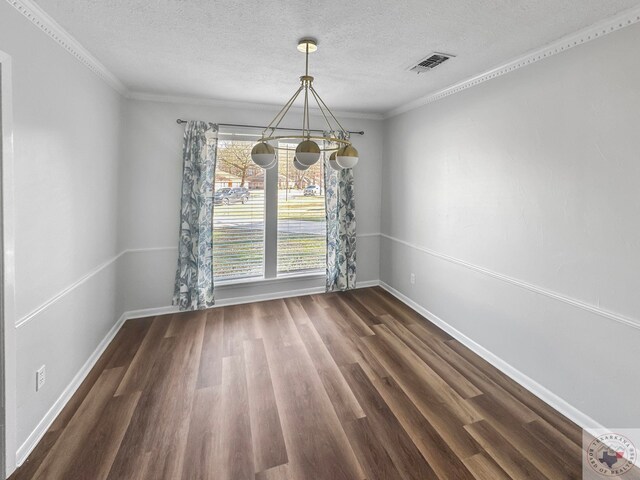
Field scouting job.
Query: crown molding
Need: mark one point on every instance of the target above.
(49, 26)
(212, 102)
(597, 30)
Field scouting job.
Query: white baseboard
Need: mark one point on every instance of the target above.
(268, 296)
(544, 394)
(150, 312)
(531, 385)
(578, 417)
(36, 435)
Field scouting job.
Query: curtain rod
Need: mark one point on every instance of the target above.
(180, 121)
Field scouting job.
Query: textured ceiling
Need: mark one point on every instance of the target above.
(245, 49)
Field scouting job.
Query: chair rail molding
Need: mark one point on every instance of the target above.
(48, 25)
(86, 277)
(628, 321)
(597, 30)
(89, 275)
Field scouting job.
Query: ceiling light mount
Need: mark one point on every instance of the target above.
(307, 45)
(308, 151)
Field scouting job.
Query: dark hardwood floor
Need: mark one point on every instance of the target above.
(338, 386)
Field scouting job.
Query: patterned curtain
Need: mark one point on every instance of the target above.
(194, 275)
(341, 225)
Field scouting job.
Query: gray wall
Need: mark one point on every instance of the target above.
(66, 145)
(525, 183)
(533, 177)
(97, 191)
(151, 181)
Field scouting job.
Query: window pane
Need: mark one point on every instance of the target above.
(238, 212)
(301, 216)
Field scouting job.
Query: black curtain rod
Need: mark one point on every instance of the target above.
(180, 121)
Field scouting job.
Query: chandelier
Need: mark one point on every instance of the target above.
(308, 152)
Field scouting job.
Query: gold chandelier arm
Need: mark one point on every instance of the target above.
(331, 140)
(306, 84)
(281, 114)
(288, 107)
(315, 95)
(328, 109)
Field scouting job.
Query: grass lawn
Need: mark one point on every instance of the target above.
(299, 207)
(238, 236)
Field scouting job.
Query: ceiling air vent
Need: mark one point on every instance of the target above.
(431, 62)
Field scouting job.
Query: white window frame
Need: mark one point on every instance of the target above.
(270, 264)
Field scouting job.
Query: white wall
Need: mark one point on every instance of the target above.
(525, 183)
(66, 142)
(534, 177)
(97, 189)
(150, 197)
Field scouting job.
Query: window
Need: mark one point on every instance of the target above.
(238, 212)
(301, 216)
(247, 197)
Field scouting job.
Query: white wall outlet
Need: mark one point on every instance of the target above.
(40, 378)
(412, 278)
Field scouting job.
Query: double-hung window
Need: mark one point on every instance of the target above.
(266, 223)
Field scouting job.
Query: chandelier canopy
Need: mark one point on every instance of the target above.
(308, 150)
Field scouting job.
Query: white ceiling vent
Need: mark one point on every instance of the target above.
(430, 62)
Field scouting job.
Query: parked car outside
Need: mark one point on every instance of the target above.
(312, 190)
(225, 196)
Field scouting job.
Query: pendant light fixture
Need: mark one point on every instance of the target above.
(300, 166)
(333, 163)
(310, 148)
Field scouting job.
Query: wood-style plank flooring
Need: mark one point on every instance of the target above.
(349, 386)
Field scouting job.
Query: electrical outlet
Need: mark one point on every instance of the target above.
(40, 378)
(412, 278)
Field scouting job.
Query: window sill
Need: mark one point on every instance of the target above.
(269, 281)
